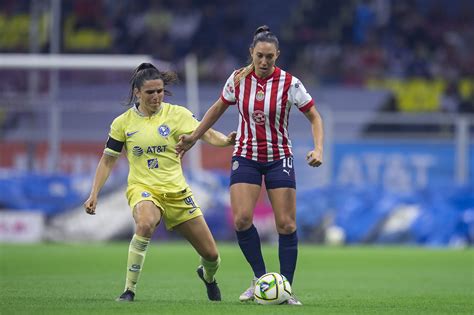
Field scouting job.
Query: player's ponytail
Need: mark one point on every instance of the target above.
(262, 34)
(242, 73)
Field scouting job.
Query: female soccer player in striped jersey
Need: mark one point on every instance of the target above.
(263, 94)
(157, 190)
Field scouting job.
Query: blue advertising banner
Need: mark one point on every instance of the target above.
(393, 165)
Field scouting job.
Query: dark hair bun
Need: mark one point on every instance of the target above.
(145, 65)
(261, 29)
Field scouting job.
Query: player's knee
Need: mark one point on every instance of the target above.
(242, 222)
(211, 255)
(145, 228)
(286, 227)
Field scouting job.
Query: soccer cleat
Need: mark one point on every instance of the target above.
(213, 292)
(293, 300)
(127, 296)
(248, 295)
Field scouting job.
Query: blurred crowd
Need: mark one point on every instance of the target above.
(348, 42)
(396, 39)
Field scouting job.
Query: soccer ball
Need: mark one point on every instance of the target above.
(272, 288)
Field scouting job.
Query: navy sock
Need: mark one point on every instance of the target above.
(249, 243)
(288, 253)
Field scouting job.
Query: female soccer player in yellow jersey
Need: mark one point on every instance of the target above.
(156, 186)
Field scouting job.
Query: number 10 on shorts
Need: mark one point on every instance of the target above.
(288, 162)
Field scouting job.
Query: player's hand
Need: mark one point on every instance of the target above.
(90, 205)
(185, 143)
(315, 158)
(231, 138)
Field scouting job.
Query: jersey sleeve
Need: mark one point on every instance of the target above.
(228, 92)
(116, 138)
(188, 122)
(299, 97)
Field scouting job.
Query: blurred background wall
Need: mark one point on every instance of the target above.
(394, 81)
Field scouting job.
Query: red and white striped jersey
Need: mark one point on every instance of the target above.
(264, 108)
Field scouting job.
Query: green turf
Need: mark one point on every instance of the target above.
(85, 279)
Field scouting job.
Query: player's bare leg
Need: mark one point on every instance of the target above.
(146, 216)
(198, 234)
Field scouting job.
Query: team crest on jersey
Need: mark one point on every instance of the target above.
(260, 96)
(259, 117)
(235, 165)
(164, 130)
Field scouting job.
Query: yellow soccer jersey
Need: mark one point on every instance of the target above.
(150, 145)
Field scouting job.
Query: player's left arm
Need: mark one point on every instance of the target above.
(218, 139)
(315, 156)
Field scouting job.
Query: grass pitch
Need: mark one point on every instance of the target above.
(86, 279)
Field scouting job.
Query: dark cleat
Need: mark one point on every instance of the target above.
(127, 296)
(213, 292)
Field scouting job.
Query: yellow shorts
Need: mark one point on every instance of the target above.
(175, 208)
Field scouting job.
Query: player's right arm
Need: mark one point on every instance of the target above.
(113, 148)
(227, 98)
(112, 151)
(218, 139)
(102, 172)
(212, 115)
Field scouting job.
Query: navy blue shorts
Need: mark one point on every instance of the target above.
(277, 174)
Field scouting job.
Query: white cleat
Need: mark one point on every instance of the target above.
(247, 295)
(293, 301)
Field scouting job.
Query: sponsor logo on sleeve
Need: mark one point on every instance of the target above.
(230, 88)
